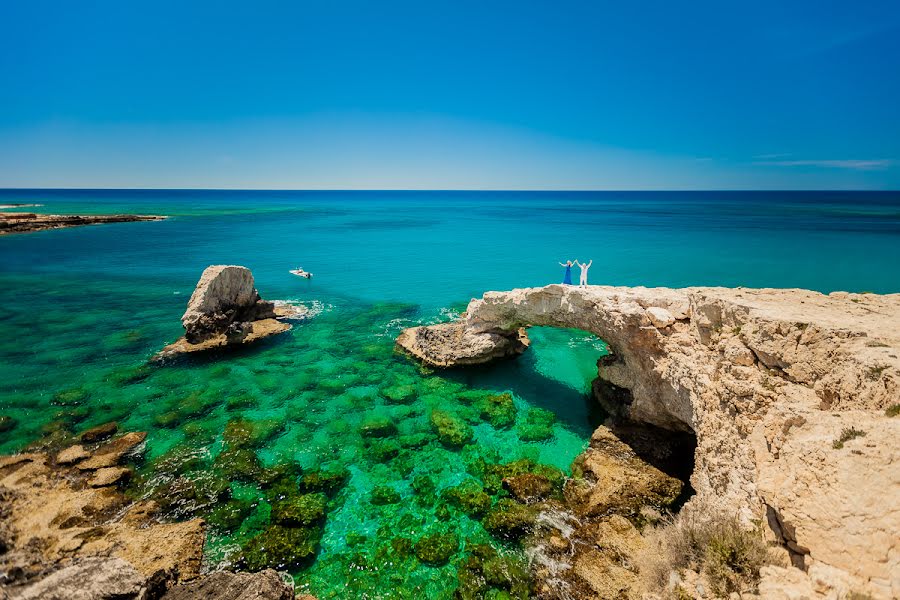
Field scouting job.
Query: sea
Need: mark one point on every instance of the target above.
(324, 452)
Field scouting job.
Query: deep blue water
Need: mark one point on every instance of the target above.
(433, 248)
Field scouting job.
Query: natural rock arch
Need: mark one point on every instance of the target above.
(766, 379)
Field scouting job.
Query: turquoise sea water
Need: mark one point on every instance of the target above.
(251, 439)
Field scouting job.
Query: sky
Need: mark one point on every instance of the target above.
(460, 94)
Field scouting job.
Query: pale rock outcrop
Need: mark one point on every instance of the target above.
(767, 380)
(226, 310)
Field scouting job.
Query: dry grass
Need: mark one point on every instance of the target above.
(718, 547)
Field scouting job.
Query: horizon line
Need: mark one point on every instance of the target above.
(473, 190)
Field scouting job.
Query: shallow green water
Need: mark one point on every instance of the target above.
(306, 400)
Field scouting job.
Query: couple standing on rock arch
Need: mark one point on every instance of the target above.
(567, 278)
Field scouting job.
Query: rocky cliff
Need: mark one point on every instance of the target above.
(788, 392)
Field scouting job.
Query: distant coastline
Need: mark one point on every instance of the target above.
(22, 222)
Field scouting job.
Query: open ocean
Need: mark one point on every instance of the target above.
(84, 308)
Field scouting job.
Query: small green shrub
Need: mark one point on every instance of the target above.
(892, 411)
(847, 434)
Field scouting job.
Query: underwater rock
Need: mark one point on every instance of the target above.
(469, 497)
(328, 481)
(384, 494)
(451, 430)
(100, 432)
(226, 310)
(509, 520)
(305, 509)
(7, 423)
(486, 573)
(377, 427)
(280, 548)
(499, 410)
(538, 425)
(399, 394)
(528, 487)
(436, 548)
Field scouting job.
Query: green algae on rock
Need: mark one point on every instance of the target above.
(280, 547)
(538, 425)
(436, 548)
(451, 430)
(469, 497)
(509, 520)
(499, 410)
(305, 509)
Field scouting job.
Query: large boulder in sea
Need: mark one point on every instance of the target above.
(224, 310)
(225, 297)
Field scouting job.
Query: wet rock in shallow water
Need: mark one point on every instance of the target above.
(494, 474)
(222, 585)
(383, 450)
(509, 520)
(329, 481)
(193, 493)
(7, 423)
(538, 425)
(111, 453)
(282, 548)
(238, 464)
(400, 394)
(528, 487)
(244, 433)
(305, 509)
(72, 455)
(384, 494)
(499, 410)
(100, 432)
(70, 397)
(451, 430)
(110, 476)
(488, 574)
(469, 497)
(228, 517)
(377, 427)
(436, 548)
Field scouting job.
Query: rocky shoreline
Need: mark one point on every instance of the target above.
(790, 395)
(68, 532)
(24, 222)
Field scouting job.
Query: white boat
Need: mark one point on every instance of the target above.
(299, 272)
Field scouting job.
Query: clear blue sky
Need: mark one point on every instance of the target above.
(459, 94)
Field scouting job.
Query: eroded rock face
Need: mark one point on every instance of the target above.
(266, 585)
(225, 295)
(768, 380)
(225, 310)
(454, 344)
